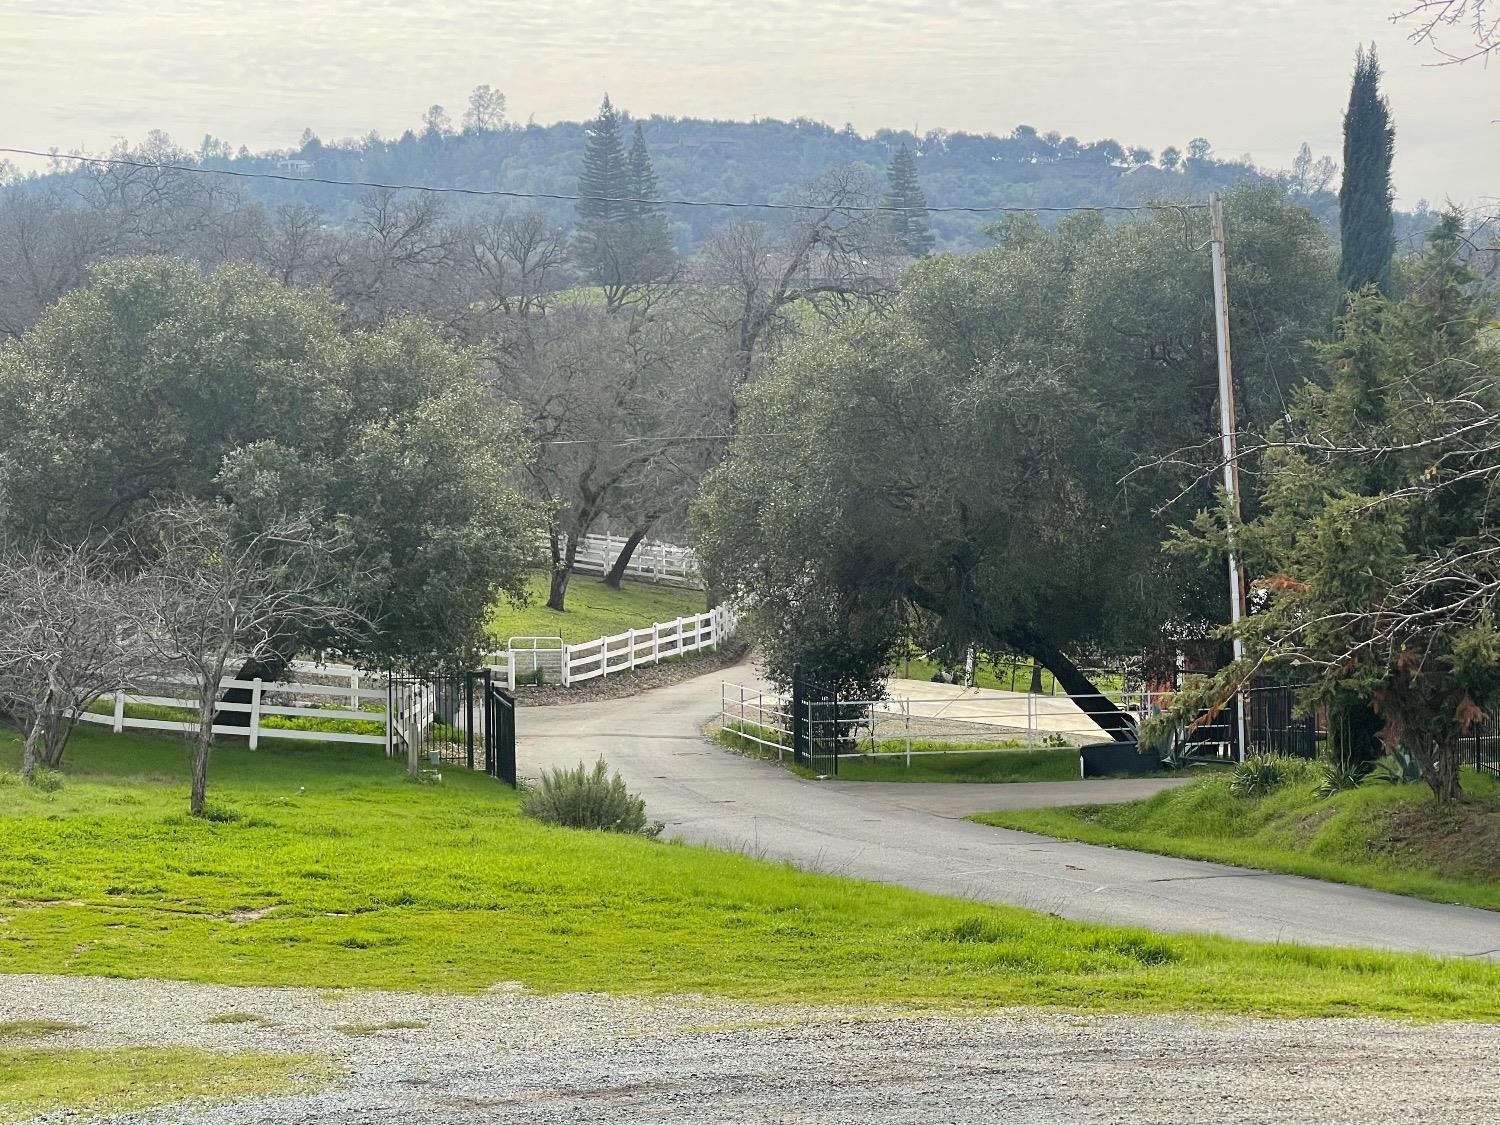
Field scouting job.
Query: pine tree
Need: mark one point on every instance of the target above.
(605, 177)
(654, 239)
(1366, 227)
(909, 225)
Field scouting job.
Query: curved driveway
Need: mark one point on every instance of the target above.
(911, 835)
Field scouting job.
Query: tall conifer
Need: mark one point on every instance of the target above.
(1366, 228)
(605, 177)
(650, 220)
(909, 225)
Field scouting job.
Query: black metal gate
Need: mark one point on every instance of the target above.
(816, 727)
(499, 732)
(456, 719)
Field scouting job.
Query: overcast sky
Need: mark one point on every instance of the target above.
(1253, 78)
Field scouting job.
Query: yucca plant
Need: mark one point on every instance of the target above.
(1257, 776)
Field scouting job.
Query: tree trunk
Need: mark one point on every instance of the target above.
(562, 570)
(1036, 678)
(202, 749)
(272, 670)
(617, 570)
(29, 749)
(1439, 764)
(1090, 700)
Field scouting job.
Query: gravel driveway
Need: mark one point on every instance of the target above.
(511, 1056)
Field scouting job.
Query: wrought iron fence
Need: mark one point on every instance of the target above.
(1485, 754)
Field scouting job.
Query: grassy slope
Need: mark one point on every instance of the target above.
(594, 610)
(35, 1079)
(1393, 838)
(369, 881)
(1004, 766)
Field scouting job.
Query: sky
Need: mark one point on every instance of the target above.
(1255, 79)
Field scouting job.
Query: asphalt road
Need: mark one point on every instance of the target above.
(707, 795)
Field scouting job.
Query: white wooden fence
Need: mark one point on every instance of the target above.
(300, 699)
(609, 656)
(653, 562)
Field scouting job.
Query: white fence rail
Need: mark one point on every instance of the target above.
(340, 700)
(652, 561)
(609, 656)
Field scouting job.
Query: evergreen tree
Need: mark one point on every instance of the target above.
(910, 226)
(605, 177)
(650, 221)
(1366, 226)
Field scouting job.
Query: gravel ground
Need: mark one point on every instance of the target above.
(513, 1056)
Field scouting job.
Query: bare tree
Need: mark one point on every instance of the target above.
(833, 257)
(397, 256)
(61, 647)
(486, 112)
(1431, 19)
(215, 595)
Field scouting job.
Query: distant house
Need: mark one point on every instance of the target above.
(294, 167)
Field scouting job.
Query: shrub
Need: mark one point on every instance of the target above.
(1335, 774)
(1257, 776)
(588, 798)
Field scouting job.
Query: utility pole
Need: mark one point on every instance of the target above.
(1228, 446)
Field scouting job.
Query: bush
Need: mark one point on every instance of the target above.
(1335, 774)
(584, 798)
(1257, 776)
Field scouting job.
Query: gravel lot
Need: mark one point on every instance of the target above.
(513, 1056)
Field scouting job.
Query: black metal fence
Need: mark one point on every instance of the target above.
(816, 725)
(456, 719)
(1485, 754)
(1272, 725)
(499, 732)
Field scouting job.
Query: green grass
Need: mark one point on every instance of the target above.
(1392, 838)
(1008, 677)
(366, 881)
(36, 1080)
(1002, 766)
(35, 1029)
(594, 610)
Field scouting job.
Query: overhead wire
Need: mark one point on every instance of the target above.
(565, 197)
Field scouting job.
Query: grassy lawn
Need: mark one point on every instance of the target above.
(37, 1079)
(1001, 766)
(368, 881)
(1392, 838)
(594, 610)
(1005, 678)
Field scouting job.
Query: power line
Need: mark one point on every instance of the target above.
(498, 193)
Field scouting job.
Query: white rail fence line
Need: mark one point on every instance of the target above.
(622, 652)
(289, 700)
(652, 561)
(884, 726)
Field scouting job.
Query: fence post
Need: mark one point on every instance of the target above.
(603, 658)
(799, 721)
(655, 642)
(119, 710)
(1030, 718)
(255, 694)
(510, 670)
(566, 660)
(354, 690)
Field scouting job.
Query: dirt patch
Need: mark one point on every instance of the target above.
(1461, 840)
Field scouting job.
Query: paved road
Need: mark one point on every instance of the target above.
(708, 795)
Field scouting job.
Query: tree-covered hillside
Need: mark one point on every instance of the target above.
(766, 160)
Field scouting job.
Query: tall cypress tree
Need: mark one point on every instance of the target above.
(910, 225)
(605, 177)
(654, 238)
(1366, 229)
